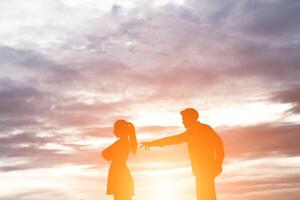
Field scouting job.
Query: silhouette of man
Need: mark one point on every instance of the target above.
(205, 149)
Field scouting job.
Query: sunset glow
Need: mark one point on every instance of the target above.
(69, 69)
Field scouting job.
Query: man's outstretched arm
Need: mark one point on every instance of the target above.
(174, 139)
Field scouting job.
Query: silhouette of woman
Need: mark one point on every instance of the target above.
(120, 181)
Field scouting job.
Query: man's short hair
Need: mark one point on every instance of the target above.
(190, 113)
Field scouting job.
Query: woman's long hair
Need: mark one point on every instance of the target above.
(123, 128)
(132, 137)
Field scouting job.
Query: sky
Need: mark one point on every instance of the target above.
(70, 68)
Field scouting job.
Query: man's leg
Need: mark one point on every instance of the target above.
(205, 188)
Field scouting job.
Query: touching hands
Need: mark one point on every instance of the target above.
(146, 145)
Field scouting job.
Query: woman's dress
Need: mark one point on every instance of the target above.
(120, 181)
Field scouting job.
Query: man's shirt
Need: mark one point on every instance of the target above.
(204, 145)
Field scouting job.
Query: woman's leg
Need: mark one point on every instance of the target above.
(120, 197)
(128, 198)
(116, 197)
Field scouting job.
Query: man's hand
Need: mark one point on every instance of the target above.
(146, 145)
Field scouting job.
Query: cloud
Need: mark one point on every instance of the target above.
(45, 151)
(19, 100)
(276, 19)
(261, 140)
(257, 142)
(37, 194)
(25, 58)
(289, 95)
(261, 188)
(69, 70)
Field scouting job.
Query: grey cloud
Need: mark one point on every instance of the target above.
(230, 54)
(41, 65)
(24, 57)
(30, 146)
(22, 105)
(261, 140)
(8, 124)
(18, 100)
(250, 142)
(25, 138)
(289, 95)
(196, 51)
(272, 19)
(116, 9)
(254, 59)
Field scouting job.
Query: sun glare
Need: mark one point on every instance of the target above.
(168, 184)
(164, 191)
(146, 118)
(246, 114)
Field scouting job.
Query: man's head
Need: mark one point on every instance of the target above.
(189, 117)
